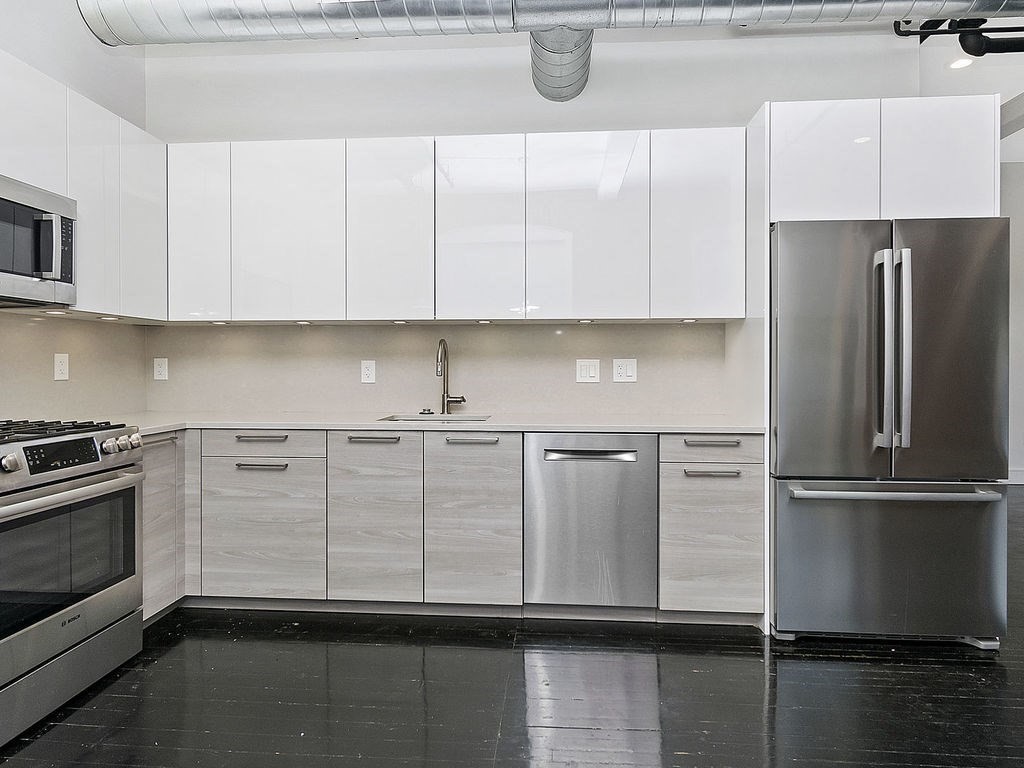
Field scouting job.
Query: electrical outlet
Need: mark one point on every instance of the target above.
(624, 369)
(160, 370)
(588, 371)
(368, 372)
(61, 366)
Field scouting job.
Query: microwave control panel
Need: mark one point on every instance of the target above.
(50, 457)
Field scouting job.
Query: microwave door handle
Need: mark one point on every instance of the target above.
(54, 220)
(906, 345)
(883, 264)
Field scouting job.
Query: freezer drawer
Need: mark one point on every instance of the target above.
(890, 558)
(591, 519)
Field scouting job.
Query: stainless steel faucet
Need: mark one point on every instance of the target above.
(442, 371)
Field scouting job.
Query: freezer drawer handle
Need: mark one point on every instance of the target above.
(588, 454)
(720, 442)
(261, 438)
(471, 440)
(797, 492)
(277, 467)
(712, 472)
(374, 438)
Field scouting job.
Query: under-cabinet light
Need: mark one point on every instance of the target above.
(55, 312)
(483, 322)
(399, 322)
(110, 318)
(688, 320)
(586, 322)
(218, 322)
(303, 322)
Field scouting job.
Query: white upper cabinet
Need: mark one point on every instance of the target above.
(481, 227)
(288, 230)
(143, 241)
(33, 126)
(824, 160)
(698, 222)
(390, 271)
(940, 157)
(199, 231)
(94, 181)
(587, 214)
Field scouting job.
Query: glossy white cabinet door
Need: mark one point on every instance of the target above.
(33, 126)
(390, 229)
(199, 231)
(940, 157)
(698, 223)
(824, 160)
(288, 230)
(94, 181)
(587, 225)
(143, 242)
(481, 227)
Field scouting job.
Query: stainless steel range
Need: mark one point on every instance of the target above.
(70, 561)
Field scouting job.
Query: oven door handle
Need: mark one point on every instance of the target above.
(45, 500)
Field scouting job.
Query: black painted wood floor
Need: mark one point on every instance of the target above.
(214, 688)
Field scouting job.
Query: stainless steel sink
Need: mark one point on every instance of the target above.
(438, 417)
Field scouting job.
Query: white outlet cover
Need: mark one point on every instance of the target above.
(61, 366)
(624, 369)
(160, 369)
(588, 371)
(368, 372)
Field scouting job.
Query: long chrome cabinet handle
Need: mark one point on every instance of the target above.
(277, 467)
(583, 454)
(261, 438)
(712, 472)
(471, 440)
(903, 260)
(797, 492)
(884, 259)
(719, 442)
(161, 441)
(374, 438)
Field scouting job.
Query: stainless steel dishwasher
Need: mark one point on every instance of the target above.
(591, 519)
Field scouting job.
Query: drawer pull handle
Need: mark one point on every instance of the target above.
(161, 441)
(261, 438)
(719, 442)
(712, 472)
(471, 440)
(374, 438)
(276, 467)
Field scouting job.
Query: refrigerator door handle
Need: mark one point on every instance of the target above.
(902, 260)
(799, 492)
(883, 262)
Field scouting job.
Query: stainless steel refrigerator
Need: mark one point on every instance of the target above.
(889, 407)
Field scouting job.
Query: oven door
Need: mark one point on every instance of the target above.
(70, 555)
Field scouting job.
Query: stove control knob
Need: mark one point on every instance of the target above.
(109, 446)
(123, 443)
(135, 440)
(10, 463)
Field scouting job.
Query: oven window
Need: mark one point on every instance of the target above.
(55, 559)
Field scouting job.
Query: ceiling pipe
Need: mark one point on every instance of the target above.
(562, 30)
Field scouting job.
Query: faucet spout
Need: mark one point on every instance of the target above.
(442, 371)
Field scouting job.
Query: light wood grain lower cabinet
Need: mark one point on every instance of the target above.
(265, 527)
(162, 543)
(375, 516)
(711, 539)
(473, 517)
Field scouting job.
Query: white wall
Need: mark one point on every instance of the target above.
(1013, 206)
(431, 86)
(51, 36)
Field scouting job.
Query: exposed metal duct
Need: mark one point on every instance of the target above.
(560, 46)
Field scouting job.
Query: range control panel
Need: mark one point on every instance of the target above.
(50, 457)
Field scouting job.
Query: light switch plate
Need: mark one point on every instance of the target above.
(160, 370)
(588, 371)
(61, 366)
(368, 372)
(624, 369)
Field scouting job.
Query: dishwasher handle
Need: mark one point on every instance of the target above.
(588, 454)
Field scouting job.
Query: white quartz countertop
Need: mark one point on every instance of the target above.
(155, 422)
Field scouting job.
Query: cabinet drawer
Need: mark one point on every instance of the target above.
(265, 527)
(711, 537)
(375, 516)
(265, 442)
(736, 448)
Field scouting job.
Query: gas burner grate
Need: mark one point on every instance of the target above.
(16, 430)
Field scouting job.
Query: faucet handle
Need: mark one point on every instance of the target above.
(458, 399)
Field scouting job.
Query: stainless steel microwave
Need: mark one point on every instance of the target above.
(37, 246)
